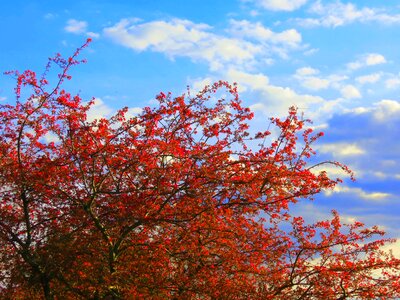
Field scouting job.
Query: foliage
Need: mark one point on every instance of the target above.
(175, 202)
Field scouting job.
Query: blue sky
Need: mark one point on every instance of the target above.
(338, 61)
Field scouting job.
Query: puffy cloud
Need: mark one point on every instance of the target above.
(75, 26)
(392, 83)
(257, 31)
(339, 14)
(386, 109)
(247, 80)
(183, 38)
(381, 111)
(304, 75)
(358, 192)
(374, 59)
(92, 34)
(370, 78)
(248, 43)
(350, 92)
(367, 60)
(308, 78)
(79, 27)
(273, 99)
(341, 149)
(279, 5)
(98, 110)
(315, 83)
(306, 71)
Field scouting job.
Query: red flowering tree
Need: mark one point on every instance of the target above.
(178, 202)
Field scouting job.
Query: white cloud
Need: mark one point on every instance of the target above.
(75, 26)
(386, 109)
(280, 5)
(246, 29)
(394, 247)
(315, 83)
(371, 196)
(381, 111)
(332, 171)
(98, 110)
(341, 149)
(50, 137)
(374, 59)
(370, 78)
(304, 75)
(392, 83)
(92, 34)
(370, 59)
(350, 92)
(246, 80)
(274, 100)
(198, 84)
(247, 45)
(306, 71)
(336, 14)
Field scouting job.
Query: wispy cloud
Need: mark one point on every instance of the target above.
(381, 111)
(75, 26)
(273, 99)
(392, 83)
(370, 78)
(341, 149)
(248, 30)
(370, 59)
(337, 14)
(311, 79)
(245, 45)
(278, 5)
(79, 27)
(360, 193)
(350, 92)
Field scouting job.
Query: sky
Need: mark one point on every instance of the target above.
(337, 61)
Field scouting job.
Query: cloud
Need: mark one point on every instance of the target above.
(386, 109)
(98, 110)
(350, 92)
(79, 27)
(75, 26)
(315, 83)
(304, 75)
(370, 78)
(279, 5)
(370, 59)
(273, 99)
(306, 71)
(392, 83)
(341, 149)
(358, 192)
(93, 34)
(247, 45)
(246, 29)
(50, 16)
(381, 111)
(339, 14)
(367, 139)
(250, 81)
(308, 78)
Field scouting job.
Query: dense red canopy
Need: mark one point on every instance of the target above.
(178, 202)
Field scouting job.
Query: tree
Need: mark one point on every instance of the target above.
(178, 202)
